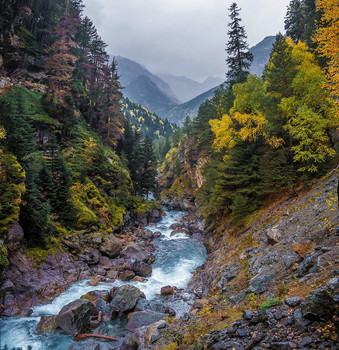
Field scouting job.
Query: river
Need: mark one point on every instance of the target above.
(176, 257)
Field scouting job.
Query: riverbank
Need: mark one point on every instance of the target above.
(176, 256)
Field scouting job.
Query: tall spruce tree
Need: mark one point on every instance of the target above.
(239, 58)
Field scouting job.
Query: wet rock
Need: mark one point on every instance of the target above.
(127, 275)
(91, 345)
(153, 305)
(167, 290)
(106, 311)
(318, 305)
(143, 318)
(125, 297)
(139, 268)
(112, 274)
(260, 283)
(47, 325)
(112, 246)
(138, 279)
(75, 317)
(295, 301)
(134, 252)
(96, 295)
(153, 333)
(94, 281)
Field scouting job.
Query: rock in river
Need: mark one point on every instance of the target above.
(75, 316)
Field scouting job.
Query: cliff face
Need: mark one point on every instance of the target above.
(180, 177)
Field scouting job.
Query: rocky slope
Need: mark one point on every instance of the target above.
(289, 250)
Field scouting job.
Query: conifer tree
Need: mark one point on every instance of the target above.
(239, 58)
(149, 171)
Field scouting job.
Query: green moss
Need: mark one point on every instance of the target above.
(270, 303)
(3, 257)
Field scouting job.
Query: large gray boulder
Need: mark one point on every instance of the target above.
(125, 297)
(260, 283)
(111, 246)
(75, 317)
(138, 267)
(133, 251)
(318, 305)
(143, 318)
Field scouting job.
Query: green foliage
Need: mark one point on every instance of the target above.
(270, 303)
(3, 257)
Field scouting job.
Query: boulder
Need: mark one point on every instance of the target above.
(295, 301)
(274, 235)
(47, 325)
(132, 342)
(152, 333)
(153, 305)
(138, 267)
(260, 283)
(105, 309)
(112, 274)
(318, 305)
(305, 265)
(127, 275)
(167, 290)
(125, 297)
(143, 318)
(111, 246)
(133, 251)
(94, 281)
(96, 295)
(75, 317)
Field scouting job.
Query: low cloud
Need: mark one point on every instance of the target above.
(182, 37)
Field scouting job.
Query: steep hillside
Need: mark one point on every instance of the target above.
(274, 283)
(177, 114)
(261, 54)
(144, 91)
(148, 123)
(130, 70)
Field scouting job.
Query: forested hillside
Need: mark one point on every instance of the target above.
(61, 120)
(259, 137)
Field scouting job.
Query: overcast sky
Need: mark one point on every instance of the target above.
(182, 37)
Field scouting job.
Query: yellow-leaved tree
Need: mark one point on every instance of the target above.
(309, 110)
(327, 37)
(246, 121)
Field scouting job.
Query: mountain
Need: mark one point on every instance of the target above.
(186, 88)
(148, 123)
(177, 114)
(261, 53)
(144, 91)
(130, 70)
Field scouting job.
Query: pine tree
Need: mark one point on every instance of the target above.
(239, 58)
(149, 169)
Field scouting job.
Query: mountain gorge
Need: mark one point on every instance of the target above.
(120, 230)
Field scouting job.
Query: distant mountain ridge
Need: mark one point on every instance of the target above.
(161, 95)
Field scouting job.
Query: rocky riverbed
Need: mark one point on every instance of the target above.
(112, 299)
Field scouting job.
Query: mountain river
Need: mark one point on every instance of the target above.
(176, 258)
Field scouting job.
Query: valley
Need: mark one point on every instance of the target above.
(157, 211)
